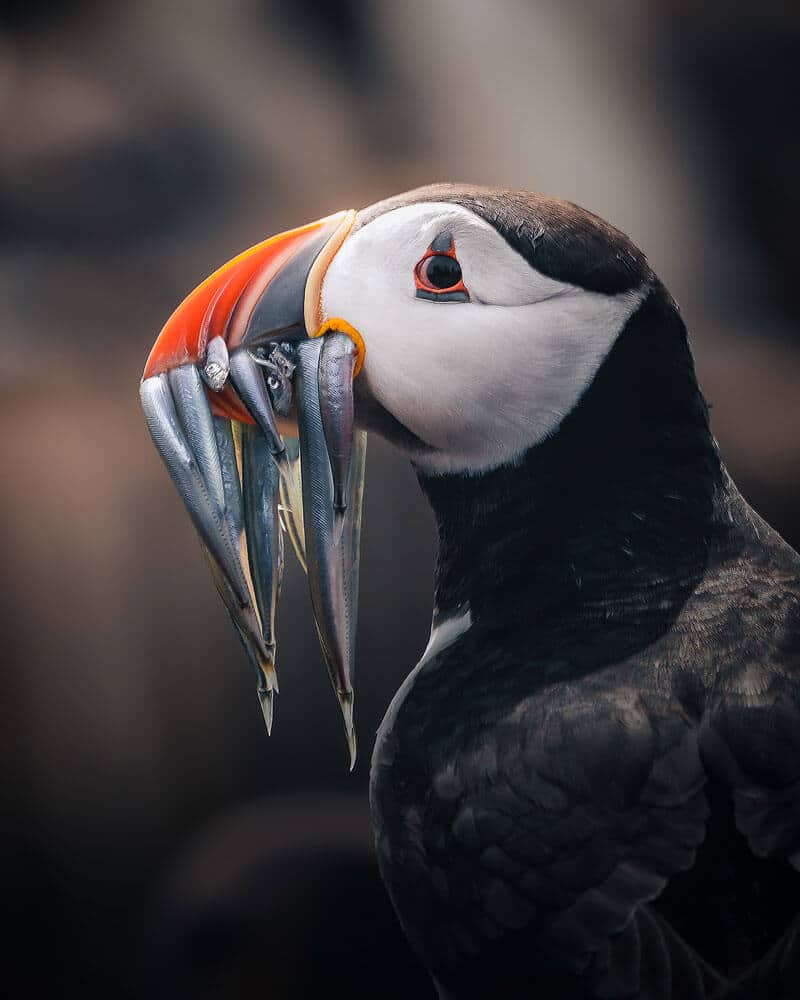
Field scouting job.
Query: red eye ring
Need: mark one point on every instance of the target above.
(437, 276)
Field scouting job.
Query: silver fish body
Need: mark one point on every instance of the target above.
(335, 376)
(261, 489)
(332, 568)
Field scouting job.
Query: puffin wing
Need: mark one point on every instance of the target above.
(581, 805)
(750, 734)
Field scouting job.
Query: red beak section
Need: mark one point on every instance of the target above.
(265, 292)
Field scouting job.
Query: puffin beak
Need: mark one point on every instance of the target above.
(248, 397)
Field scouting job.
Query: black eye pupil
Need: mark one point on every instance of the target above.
(442, 271)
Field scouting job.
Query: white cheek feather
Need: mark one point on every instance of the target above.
(483, 381)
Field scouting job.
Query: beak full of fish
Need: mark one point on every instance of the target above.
(245, 487)
(214, 405)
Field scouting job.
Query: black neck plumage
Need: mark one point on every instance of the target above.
(610, 518)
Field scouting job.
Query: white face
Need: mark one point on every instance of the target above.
(479, 381)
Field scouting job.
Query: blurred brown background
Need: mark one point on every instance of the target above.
(154, 841)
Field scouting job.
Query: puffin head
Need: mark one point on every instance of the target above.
(463, 324)
(485, 314)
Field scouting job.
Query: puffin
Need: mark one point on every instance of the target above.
(597, 758)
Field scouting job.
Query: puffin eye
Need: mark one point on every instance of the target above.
(438, 275)
(440, 271)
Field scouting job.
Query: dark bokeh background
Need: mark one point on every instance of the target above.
(154, 841)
